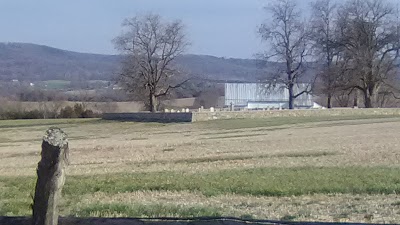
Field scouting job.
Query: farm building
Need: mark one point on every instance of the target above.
(263, 96)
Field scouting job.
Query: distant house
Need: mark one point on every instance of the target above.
(116, 87)
(265, 96)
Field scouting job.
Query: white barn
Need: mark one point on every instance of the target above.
(263, 95)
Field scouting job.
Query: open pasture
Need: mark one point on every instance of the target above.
(343, 168)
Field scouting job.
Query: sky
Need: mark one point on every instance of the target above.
(223, 28)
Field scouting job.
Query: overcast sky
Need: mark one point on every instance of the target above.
(225, 28)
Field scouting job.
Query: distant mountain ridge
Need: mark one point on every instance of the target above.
(37, 62)
(31, 62)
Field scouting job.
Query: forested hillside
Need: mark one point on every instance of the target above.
(32, 62)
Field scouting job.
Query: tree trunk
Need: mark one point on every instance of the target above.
(329, 103)
(291, 97)
(51, 177)
(367, 100)
(355, 102)
(153, 102)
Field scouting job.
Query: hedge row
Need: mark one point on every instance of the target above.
(78, 111)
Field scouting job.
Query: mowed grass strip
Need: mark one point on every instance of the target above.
(16, 192)
(256, 182)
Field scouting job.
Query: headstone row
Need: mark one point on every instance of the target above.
(177, 111)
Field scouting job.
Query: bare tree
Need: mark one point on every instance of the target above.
(342, 97)
(150, 46)
(371, 37)
(287, 40)
(325, 48)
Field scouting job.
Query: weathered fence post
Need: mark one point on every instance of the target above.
(51, 177)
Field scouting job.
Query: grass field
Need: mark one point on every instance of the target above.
(309, 169)
(57, 84)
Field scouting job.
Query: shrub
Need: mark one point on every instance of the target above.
(34, 114)
(68, 112)
(15, 115)
(88, 114)
(79, 110)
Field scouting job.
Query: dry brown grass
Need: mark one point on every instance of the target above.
(120, 147)
(112, 147)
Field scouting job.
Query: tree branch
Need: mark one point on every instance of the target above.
(163, 93)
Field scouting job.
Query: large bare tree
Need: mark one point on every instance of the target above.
(149, 47)
(370, 35)
(327, 53)
(288, 41)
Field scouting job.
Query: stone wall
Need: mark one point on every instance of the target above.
(218, 115)
(150, 117)
(206, 116)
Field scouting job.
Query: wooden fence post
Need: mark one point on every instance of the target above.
(51, 177)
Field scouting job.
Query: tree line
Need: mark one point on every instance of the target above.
(353, 46)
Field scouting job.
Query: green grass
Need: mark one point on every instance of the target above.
(16, 196)
(280, 121)
(143, 211)
(15, 192)
(57, 84)
(257, 182)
